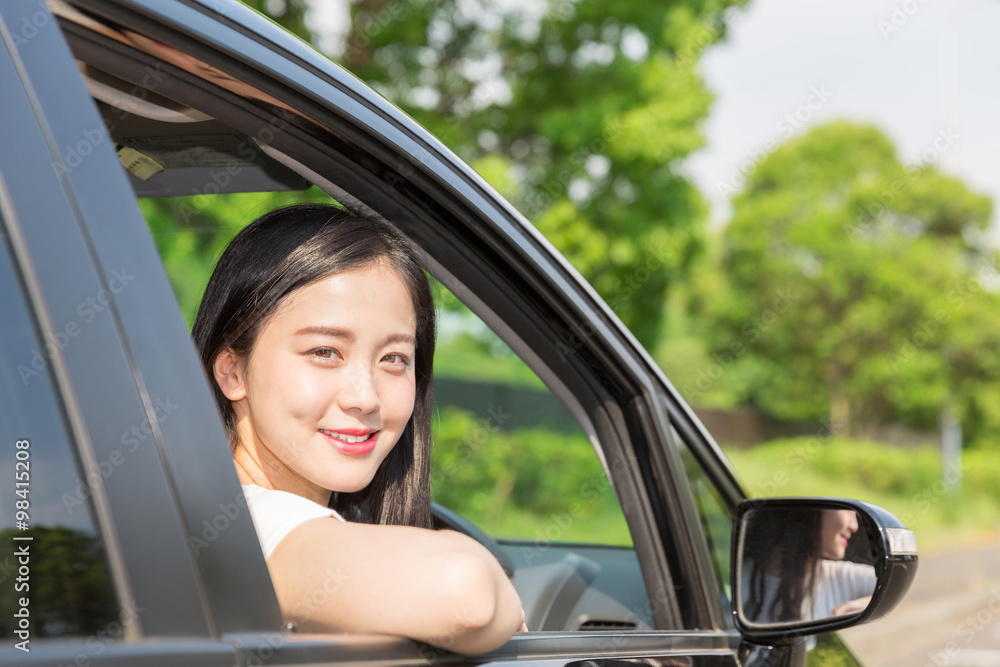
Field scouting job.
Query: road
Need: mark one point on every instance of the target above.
(949, 618)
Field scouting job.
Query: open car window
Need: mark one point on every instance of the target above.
(207, 153)
(508, 455)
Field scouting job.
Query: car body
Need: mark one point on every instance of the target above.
(104, 385)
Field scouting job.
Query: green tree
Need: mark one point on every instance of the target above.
(69, 589)
(579, 116)
(849, 283)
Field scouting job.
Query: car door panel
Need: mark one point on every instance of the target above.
(72, 296)
(180, 409)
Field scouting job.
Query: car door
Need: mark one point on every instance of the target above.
(92, 391)
(298, 117)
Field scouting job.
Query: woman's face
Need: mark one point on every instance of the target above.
(836, 528)
(329, 385)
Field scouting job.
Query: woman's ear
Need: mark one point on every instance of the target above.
(228, 373)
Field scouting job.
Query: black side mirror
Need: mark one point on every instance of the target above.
(802, 566)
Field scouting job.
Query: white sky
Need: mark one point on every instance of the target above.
(879, 61)
(778, 50)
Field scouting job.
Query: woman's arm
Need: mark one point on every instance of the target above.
(440, 587)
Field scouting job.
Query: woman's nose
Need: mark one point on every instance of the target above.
(358, 392)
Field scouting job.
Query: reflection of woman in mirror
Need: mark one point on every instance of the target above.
(797, 571)
(842, 587)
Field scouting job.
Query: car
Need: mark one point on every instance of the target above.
(126, 534)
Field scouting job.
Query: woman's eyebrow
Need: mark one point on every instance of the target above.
(348, 335)
(333, 332)
(401, 338)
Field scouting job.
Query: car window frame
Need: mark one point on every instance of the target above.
(620, 420)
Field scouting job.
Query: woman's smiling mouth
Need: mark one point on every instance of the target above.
(354, 442)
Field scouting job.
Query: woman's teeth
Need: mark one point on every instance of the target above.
(347, 438)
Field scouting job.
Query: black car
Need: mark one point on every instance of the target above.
(126, 539)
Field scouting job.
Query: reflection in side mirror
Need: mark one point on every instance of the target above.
(804, 564)
(807, 565)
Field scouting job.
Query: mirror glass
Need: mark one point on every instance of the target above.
(803, 564)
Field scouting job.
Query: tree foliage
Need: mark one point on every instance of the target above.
(858, 287)
(579, 116)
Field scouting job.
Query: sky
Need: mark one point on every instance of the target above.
(873, 61)
(789, 65)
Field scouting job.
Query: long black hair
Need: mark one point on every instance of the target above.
(285, 250)
(791, 558)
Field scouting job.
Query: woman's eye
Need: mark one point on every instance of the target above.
(397, 359)
(323, 353)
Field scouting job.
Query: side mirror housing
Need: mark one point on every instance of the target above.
(801, 566)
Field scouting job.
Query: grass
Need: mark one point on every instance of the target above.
(606, 527)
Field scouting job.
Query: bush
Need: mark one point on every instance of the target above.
(535, 475)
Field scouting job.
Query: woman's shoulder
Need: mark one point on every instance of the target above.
(260, 499)
(275, 513)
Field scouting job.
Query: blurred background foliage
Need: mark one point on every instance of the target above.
(847, 286)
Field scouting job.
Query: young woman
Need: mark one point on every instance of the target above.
(800, 572)
(318, 329)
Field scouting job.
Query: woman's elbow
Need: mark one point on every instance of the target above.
(483, 608)
(469, 590)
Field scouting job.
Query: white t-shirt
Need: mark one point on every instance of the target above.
(276, 513)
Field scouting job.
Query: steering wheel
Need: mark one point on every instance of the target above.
(446, 518)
